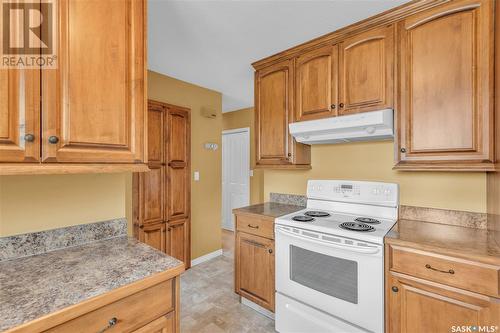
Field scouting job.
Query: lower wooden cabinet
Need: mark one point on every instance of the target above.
(254, 268)
(165, 324)
(146, 306)
(154, 235)
(419, 306)
(177, 244)
(433, 292)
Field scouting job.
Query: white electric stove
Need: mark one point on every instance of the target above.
(329, 258)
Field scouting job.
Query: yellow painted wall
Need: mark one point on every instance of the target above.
(374, 161)
(35, 203)
(206, 193)
(239, 119)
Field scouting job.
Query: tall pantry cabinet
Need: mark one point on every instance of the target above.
(161, 197)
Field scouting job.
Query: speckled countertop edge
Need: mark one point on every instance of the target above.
(35, 286)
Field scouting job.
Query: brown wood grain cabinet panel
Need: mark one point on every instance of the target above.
(366, 71)
(178, 241)
(178, 163)
(131, 312)
(255, 269)
(446, 71)
(155, 235)
(19, 118)
(94, 101)
(274, 94)
(162, 196)
(419, 306)
(316, 78)
(164, 324)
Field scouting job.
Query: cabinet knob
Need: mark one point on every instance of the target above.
(112, 322)
(341, 105)
(289, 154)
(169, 229)
(332, 106)
(53, 139)
(403, 150)
(270, 250)
(395, 289)
(29, 137)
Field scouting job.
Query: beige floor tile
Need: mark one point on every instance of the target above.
(209, 304)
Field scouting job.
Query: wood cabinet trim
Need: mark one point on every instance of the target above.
(388, 17)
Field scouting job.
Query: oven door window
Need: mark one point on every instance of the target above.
(329, 275)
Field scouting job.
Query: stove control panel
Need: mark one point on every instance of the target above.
(376, 193)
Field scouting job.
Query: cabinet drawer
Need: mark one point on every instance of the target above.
(464, 274)
(255, 226)
(131, 312)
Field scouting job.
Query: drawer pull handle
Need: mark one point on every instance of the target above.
(450, 271)
(112, 322)
(253, 226)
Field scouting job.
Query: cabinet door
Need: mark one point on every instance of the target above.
(164, 324)
(273, 110)
(19, 115)
(255, 269)
(366, 71)
(153, 182)
(316, 83)
(154, 235)
(178, 241)
(178, 155)
(446, 84)
(93, 106)
(419, 307)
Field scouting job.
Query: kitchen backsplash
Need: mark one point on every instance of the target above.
(12, 247)
(288, 199)
(433, 215)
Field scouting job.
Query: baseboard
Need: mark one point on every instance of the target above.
(206, 257)
(257, 308)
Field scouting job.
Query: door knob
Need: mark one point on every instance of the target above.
(29, 137)
(53, 139)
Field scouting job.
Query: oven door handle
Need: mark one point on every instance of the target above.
(369, 250)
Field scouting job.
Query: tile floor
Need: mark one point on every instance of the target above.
(208, 301)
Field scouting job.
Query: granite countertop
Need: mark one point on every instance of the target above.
(268, 209)
(468, 243)
(38, 285)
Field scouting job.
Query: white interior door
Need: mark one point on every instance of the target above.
(235, 173)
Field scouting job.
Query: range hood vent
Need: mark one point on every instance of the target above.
(366, 126)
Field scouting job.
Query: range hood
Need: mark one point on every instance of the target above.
(366, 126)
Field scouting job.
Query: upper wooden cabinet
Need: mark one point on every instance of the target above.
(94, 102)
(93, 107)
(19, 116)
(446, 86)
(316, 83)
(273, 113)
(366, 71)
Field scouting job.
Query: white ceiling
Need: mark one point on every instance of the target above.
(213, 43)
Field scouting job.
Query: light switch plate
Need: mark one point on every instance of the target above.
(196, 176)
